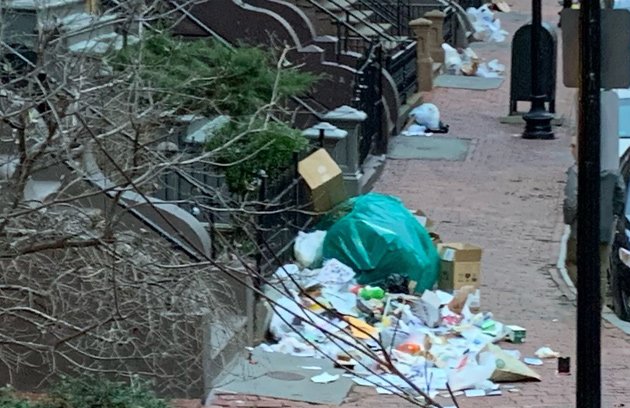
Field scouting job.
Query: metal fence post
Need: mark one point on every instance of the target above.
(588, 387)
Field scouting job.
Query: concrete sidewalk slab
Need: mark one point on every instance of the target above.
(434, 147)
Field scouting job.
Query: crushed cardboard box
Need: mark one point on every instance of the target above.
(510, 369)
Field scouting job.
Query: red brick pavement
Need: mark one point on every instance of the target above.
(506, 196)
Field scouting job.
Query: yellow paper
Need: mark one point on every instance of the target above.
(360, 329)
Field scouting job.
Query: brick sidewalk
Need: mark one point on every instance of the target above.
(507, 197)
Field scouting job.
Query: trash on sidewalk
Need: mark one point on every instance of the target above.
(309, 247)
(508, 368)
(460, 266)
(533, 361)
(516, 334)
(380, 237)
(546, 352)
(487, 27)
(501, 6)
(564, 365)
(324, 378)
(372, 308)
(426, 121)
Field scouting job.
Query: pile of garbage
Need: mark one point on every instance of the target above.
(425, 121)
(486, 26)
(362, 294)
(467, 62)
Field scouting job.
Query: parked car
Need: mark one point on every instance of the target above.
(619, 274)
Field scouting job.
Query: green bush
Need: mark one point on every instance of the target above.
(205, 77)
(89, 392)
(269, 148)
(9, 400)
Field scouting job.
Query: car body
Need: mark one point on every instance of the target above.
(619, 273)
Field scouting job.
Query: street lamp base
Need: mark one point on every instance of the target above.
(538, 125)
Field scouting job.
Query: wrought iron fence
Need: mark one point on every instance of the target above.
(395, 12)
(368, 98)
(284, 210)
(281, 208)
(404, 70)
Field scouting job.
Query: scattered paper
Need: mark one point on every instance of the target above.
(445, 298)
(475, 393)
(362, 382)
(428, 308)
(324, 378)
(533, 361)
(360, 329)
(314, 368)
(546, 352)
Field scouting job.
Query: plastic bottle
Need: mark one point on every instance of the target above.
(372, 292)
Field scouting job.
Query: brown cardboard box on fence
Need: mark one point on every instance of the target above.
(460, 266)
(325, 180)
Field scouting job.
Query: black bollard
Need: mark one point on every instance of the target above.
(537, 120)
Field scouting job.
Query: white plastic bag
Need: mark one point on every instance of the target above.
(452, 60)
(427, 115)
(472, 373)
(309, 247)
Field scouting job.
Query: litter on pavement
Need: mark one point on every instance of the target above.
(487, 27)
(466, 62)
(364, 297)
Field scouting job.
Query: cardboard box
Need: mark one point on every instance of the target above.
(325, 180)
(516, 334)
(460, 266)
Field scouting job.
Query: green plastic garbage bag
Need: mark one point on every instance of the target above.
(379, 237)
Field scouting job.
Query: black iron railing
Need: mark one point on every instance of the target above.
(281, 208)
(395, 12)
(284, 209)
(368, 98)
(404, 70)
(350, 38)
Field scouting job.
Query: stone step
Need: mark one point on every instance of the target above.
(355, 16)
(338, 5)
(373, 29)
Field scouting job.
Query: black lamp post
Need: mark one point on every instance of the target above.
(537, 120)
(588, 385)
